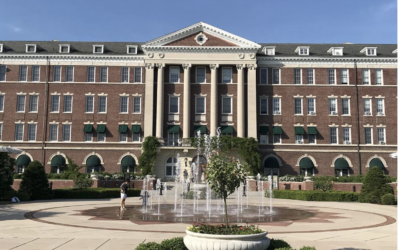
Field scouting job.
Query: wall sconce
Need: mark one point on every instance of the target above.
(185, 162)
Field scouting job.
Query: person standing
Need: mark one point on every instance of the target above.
(144, 198)
(124, 193)
(185, 174)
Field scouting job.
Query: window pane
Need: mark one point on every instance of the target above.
(263, 106)
(365, 74)
(344, 75)
(332, 106)
(123, 137)
(23, 71)
(136, 137)
(311, 139)
(125, 74)
(1, 131)
(311, 106)
(331, 76)
(380, 107)
(69, 74)
(226, 75)
(55, 103)
(310, 76)
(381, 135)
(297, 106)
(101, 137)
(88, 137)
(103, 74)
(174, 74)
(19, 132)
(1, 103)
(226, 105)
(263, 76)
(200, 74)
(53, 132)
(89, 104)
(378, 75)
(276, 105)
(346, 135)
(173, 105)
(33, 103)
(21, 103)
(57, 74)
(35, 73)
(31, 132)
(136, 105)
(68, 103)
(66, 136)
(297, 76)
(333, 135)
(173, 139)
(3, 70)
(124, 104)
(345, 106)
(200, 105)
(275, 76)
(102, 104)
(90, 77)
(367, 106)
(138, 74)
(277, 138)
(368, 135)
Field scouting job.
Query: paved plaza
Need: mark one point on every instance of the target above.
(63, 224)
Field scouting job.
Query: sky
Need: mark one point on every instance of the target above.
(262, 21)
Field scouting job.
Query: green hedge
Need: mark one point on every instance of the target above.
(168, 244)
(92, 193)
(315, 195)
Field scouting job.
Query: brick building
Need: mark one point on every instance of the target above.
(318, 108)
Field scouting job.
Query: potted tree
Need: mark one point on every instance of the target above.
(224, 176)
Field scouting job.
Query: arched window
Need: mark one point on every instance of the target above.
(93, 164)
(341, 167)
(271, 166)
(376, 162)
(58, 164)
(128, 164)
(306, 166)
(170, 166)
(22, 163)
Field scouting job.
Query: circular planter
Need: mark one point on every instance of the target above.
(197, 241)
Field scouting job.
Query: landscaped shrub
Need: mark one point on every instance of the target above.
(173, 244)
(92, 193)
(6, 173)
(34, 182)
(22, 196)
(388, 199)
(374, 187)
(149, 246)
(82, 182)
(316, 195)
(292, 178)
(276, 244)
(8, 195)
(307, 248)
(17, 176)
(284, 248)
(323, 185)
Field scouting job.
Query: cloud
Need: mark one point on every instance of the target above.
(16, 29)
(387, 7)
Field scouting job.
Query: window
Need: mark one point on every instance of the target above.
(381, 135)
(264, 139)
(125, 74)
(337, 51)
(226, 75)
(98, 49)
(135, 136)
(371, 51)
(131, 49)
(33, 103)
(303, 51)
(345, 106)
(276, 105)
(173, 139)
(200, 74)
(1, 48)
(200, 105)
(332, 106)
(276, 76)
(311, 106)
(88, 137)
(19, 132)
(226, 105)
(53, 132)
(1, 131)
(174, 75)
(277, 138)
(55, 104)
(64, 48)
(310, 76)
(89, 104)
(68, 104)
(341, 172)
(3, 70)
(299, 139)
(368, 135)
(23, 73)
(174, 105)
(346, 136)
(137, 104)
(367, 106)
(380, 106)
(270, 51)
(69, 74)
(91, 74)
(103, 74)
(123, 137)
(344, 75)
(20, 103)
(102, 104)
(334, 135)
(101, 137)
(66, 132)
(138, 75)
(35, 73)
(30, 48)
(312, 139)
(263, 106)
(297, 76)
(56, 73)
(124, 104)
(264, 76)
(31, 132)
(1, 103)
(298, 106)
(331, 76)
(170, 167)
(365, 77)
(378, 77)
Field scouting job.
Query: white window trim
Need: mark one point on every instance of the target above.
(332, 51)
(315, 106)
(98, 104)
(37, 104)
(222, 105)
(334, 74)
(369, 76)
(106, 71)
(5, 73)
(26, 48)
(222, 75)
(279, 72)
(301, 76)
(372, 136)
(261, 69)
(35, 131)
(341, 77)
(23, 130)
(308, 139)
(73, 73)
(27, 72)
(297, 141)
(1, 131)
(330, 113)
(299, 48)
(383, 83)
(273, 139)
(365, 50)
(280, 106)
(179, 74)
(370, 106)
(105, 137)
(205, 75)
(349, 107)
(384, 134)
(134, 74)
(54, 72)
(24, 103)
(97, 45)
(122, 74)
(383, 106)
(4, 102)
(263, 97)
(313, 70)
(64, 45)
(140, 136)
(267, 140)
(70, 130)
(127, 104)
(205, 105)
(84, 134)
(337, 135)
(133, 104)
(94, 72)
(1, 48)
(169, 105)
(131, 46)
(91, 112)
(119, 137)
(72, 104)
(32, 73)
(349, 135)
(51, 103)
(266, 48)
(301, 104)
(56, 132)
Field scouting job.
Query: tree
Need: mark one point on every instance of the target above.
(6, 173)
(72, 170)
(249, 152)
(224, 175)
(34, 182)
(374, 186)
(148, 156)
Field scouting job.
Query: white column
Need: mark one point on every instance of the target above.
(214, 100)
(252, 102)
(160, 101)
(186, 101)
(240, 102)
(148, 100)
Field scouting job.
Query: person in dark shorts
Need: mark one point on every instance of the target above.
(124, 193)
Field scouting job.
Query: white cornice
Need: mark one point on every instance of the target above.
(329, 59)
(199, 49)
(70, 57)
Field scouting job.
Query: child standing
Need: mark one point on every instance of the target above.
(144, 198)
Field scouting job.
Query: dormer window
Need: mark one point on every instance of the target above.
(394, 51)
(98, 49)
(64, 48)
(302, 50)
(1, 48)
(131, 49)
(336, 51)
(369, 51)
(269, 50)
(30, 48)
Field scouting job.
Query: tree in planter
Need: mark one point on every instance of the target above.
(224, 175)
(34, 182)
(6, 173)
(148, 156)
(374, 186)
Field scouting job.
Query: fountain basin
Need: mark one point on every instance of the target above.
(198, 241)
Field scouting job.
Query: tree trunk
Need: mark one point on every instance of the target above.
(226, 214)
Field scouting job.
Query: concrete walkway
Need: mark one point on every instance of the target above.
(59, 225)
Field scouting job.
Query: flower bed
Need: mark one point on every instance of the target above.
(222, 230)
(316, 195)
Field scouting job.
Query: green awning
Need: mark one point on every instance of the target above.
(271, 162)
(58, 161)
(201, 128)
(277, 130)
(312, 130)
(173, 128)
(88, 128)
(306, 163)
(23, 160)
(123, 128)
(299, 131)
(136, 129)
(264, 130)
(376, 162)
(128, 161)
(93, 161)
(341, 163)
(226, 129)
(101, 128)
